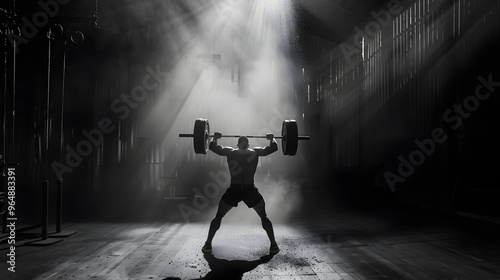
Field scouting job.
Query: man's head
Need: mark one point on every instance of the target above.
(243, 143)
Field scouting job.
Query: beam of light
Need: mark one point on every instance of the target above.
(251, 34)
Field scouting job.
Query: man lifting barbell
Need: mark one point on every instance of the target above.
(242, 163)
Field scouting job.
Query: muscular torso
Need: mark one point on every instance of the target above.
(242, 166)
(243, 163)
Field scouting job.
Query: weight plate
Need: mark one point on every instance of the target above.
(290, 140)
(200, 136)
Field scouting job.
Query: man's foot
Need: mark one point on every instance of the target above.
(207, 248)
(274, 249)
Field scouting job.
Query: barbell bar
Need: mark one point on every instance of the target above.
(289, 136)
(189, 135)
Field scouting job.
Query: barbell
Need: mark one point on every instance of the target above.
(289, 136)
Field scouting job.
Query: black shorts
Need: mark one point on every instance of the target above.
(246, 193)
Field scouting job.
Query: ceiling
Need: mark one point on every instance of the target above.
(335, 20)
(331, 19)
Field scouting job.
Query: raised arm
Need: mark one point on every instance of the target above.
(271, 148)
(218, 149)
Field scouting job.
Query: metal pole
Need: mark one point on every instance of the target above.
(45, 184)
(12, 155)
(248, 136)
(59, 205)
(47, 114)
(4, 120)
(45, 210)
(59, 182)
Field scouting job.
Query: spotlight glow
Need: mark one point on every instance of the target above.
(214, 44)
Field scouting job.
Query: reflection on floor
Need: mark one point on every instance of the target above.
(342, 244)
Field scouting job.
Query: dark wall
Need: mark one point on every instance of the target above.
(372, 102)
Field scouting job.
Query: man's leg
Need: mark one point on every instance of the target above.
(260, 208)
(215, 224)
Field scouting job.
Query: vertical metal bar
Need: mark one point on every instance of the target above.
(4, 95)
(13, 114)
(45, 209)
(59, 194)
(47, 112)
(59, 181)
(62, 104)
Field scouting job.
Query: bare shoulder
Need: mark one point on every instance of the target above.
(255, 150)
(247, 151)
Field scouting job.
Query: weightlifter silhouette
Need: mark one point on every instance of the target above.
(242, 163)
